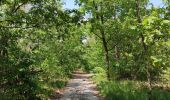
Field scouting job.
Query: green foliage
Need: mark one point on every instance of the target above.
(99, 75)
(134, 41)
(41, 45)
(39, 48)
(127, 90)
(98, 70)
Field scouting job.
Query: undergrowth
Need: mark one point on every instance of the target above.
(125, 89)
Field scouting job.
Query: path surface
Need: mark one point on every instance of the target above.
(80, 88)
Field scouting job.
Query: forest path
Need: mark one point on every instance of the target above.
(80, 87)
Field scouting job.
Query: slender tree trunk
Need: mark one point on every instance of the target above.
(3, 60)
(106, 53)
(149, 82)
(103, 37)
(145, 52)
(105, 44)
(116, 53)
(3, 47)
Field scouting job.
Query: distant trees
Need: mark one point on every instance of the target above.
(134, 37)
(40, 44)
(39, 47)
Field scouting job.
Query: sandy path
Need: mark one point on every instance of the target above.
(80, 87)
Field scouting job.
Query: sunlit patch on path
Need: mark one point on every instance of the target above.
(80, 87)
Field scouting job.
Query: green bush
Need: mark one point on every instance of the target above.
(98, 70)
(127, 90)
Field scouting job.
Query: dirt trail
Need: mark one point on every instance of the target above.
(80, 87)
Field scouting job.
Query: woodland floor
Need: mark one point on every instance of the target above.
(80, 87)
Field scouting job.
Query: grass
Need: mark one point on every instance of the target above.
(126, 89)
(48, 88)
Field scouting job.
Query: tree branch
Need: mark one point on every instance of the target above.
(97, 35)
(113, 47)
(15, 27)
(18, 7)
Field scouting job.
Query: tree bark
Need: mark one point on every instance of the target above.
(116, 53)
(106, 53)
(103, 37)
(105, 44)
(145, 51)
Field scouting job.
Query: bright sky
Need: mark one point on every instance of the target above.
(69, 4)
(157, 3)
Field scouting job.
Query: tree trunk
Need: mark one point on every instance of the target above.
(116, 53)
(3, 47)
(144, 52)
(103, 37)
(106, 54)
(105, 44)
